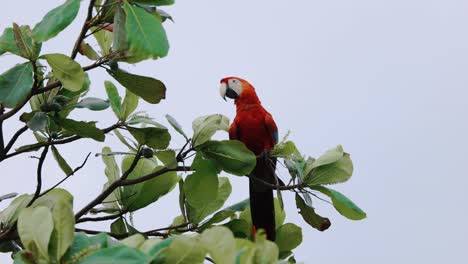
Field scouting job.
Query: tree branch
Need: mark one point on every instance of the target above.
(56, 142)
(84, 29)
(39, 176)
(277, 187)
(102, 218)
(124, 182)
(14, 138)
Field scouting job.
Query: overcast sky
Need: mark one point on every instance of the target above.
(386, 79)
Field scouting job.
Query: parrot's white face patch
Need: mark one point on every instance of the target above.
(235, 85)
(222, 90)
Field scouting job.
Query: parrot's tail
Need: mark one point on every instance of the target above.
(261, 196)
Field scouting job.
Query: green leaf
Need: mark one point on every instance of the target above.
(309, 215)
(10, 214)
(119, 38)
(38, 122)
(115, 255)
(204, 127)
(140, 195)
(64, 229)
(54, 197)
(153, 137)
(217, 218)
(56, 20)
(155, 2)
(8, 42)
(61, 161)
(134, 241)
(284, 150)
(220, 244)
(176, 126)
(88, 51)
(288, 237)
(83, 129)
(240, 206)
(240, 228)
(129, 104)
(124, 141)
(15, 84)
(336, 172)
(341, 203)
(84, 245)
(167, 157)
(112, 170)
(265, 250)
(232, 155)
(24, 42)
(23, 257)
(280, 215)
(201, 187)
(184, 250)
(66, 70)
(149, 89)
(145, 34)
(114, 99)
(104, 40)
(34, 234)
(118, 226)
(224, 190)
(93, 103)
(330, 156)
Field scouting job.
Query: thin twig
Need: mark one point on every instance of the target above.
(68, 176)
(84, 29)
(278, 187)
(39, 176)
(8, 196)
(15, 137)
(102, 218)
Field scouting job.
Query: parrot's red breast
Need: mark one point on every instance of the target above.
(253, 125)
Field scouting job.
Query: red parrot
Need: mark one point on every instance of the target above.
(255, 127)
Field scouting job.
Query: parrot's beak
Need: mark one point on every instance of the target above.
(225, 90)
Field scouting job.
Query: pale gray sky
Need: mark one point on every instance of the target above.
(386, 79)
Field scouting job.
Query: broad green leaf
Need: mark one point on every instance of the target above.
(35, 235)
(336, 172)
(153, 137)
(84, 245)
(9, 44)
(54, 197)
(112, 172)
(134, 241)
(245, 251)
(88, 51)
(114, 99)
(224, 190)
(240, 206)
(115, 255)
(265, 250)
(145, 34)
(204, 127)
(342, 204)
(148, 244)
(240, 228)
(143, 119)
(220, 244)
(38, 122)
(83, 129)
(149, 89)
(119, 36)
(142, 194)
(184, 250)
(232, 155)
(329, 157)
(66, 70)
(56, 20)
(167, 157)
(155, 2)
(9, 215)
(23, 257)
(15, 84)
(61, 161)
(309, 215)
(104, 40)
(217, 217)
(64, 229)
(118, 226)
(288, 237)
(129, 104)
(176, 125)
(284, 150)
(124, 141)
(93, 103)
(26, 45)
(201, 187)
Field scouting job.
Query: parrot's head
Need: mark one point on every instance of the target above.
(238, 89)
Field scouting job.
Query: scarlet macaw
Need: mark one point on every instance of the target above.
(255, 127)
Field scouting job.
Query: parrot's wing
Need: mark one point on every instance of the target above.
(271, 127)
(234, 131)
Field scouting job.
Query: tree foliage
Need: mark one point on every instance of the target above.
(44, 227)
